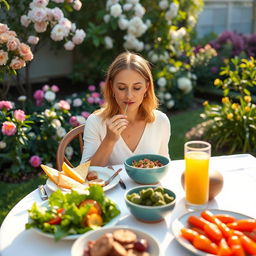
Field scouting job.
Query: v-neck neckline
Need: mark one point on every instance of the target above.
(140, 140)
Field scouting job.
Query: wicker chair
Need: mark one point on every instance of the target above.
(76, 133)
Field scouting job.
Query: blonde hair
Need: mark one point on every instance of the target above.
(128, 60)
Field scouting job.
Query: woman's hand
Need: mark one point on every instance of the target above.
(115, 126)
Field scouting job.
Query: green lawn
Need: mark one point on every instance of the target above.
(10, 194)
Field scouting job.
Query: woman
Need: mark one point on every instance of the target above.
(128, 123)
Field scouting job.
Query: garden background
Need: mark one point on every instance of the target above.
(204, 78)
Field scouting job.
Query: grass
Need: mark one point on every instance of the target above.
(11, 194)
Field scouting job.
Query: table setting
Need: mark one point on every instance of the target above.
(235, 197)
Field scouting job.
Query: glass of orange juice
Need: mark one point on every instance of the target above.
(197, 155)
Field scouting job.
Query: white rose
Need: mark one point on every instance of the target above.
(80, 119)
(127, 7)
(106, 18)
(2, 145)
(38, 14)
(191, 21)
(123, 23)
(154, 58)
(57, 13)
(22, 98)
(56, 106)
(115, 10)
(168, 96)
(139, 10)
(49, 113)
(56, 123)
(136, 27)
(184, 84)
(50, 96)
(69, 45)
(108, 42)
(77, 102)
(181, 33)
(31, 134)
(162, 82)
(24, 20)
(58, 32)
(77, 5)
(69, 152)
(163, 4)
(132, 1)
(174, 10)
(74, 94)
(160, 95)
(172, 69)
(170, 104)
(79, 36)
(33, 40)
(61, 132)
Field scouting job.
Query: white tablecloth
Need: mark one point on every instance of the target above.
(238, 194)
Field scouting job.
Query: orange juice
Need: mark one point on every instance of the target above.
(197, 177)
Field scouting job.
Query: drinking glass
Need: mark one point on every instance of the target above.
(197, 155)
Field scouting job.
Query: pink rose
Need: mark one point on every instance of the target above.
(19, 115)
(13, 44)
(9, 128)
(24, 49)
(102, 84)
(38, 95)
(85, 114)
(40, 27)
(64, 105)
(35, 161)
(5, 105)
(73, 121)
(33, 40)
(90, 100)
(46, 87)
(55, 88)
(77, 5)
(3, 57)
(17, 63)
(95, 95)
(3, 28)
(91, 88)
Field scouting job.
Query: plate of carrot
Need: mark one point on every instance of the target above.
(216, 232)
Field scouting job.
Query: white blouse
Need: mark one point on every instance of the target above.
(154, 139)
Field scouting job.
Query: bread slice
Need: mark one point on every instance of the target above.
(67, 182)
(83, 169)
(69, 171)
(52, 173)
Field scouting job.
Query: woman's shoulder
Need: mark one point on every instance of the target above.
(94, 118)
(160, 116)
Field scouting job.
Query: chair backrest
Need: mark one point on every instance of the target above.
(76, 133)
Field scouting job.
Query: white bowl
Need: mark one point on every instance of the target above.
(80, 244)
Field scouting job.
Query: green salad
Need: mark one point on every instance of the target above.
(73, 213)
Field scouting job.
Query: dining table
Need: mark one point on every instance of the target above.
(237, 195)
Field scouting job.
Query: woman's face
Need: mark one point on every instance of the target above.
(129, 87)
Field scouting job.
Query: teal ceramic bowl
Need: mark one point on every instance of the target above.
(149, 214)
(146, 176)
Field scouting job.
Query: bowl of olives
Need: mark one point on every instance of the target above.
(146, 169)
(150, 203)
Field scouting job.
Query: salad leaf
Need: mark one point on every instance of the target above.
(64, 216)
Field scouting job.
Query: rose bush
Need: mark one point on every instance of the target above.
(36, 134)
